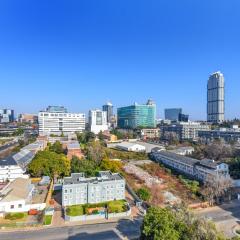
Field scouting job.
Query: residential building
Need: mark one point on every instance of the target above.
(108, 107)
(131, 147)
(137, 115)
(184, 130)
(97, 121)
(225, 134)
(215, 98)
(150, 133)
(202, 170)
(27, 118)
(172, 114)
(78, 189)
(6, 115)
(56, 120)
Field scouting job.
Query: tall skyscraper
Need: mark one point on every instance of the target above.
(215, 98)
(137, 115)
(108, 107)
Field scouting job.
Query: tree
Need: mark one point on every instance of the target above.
(159, 223)
(95, 152)
(110, 165)
(216, 187)
(50, 164)
(144, 194)
(177, 223)
(56, 147)
(83, 165)
(218, 151)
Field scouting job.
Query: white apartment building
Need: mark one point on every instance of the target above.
(185, 130)
(80, 190)
(98, 121)
(215, 98)
(60, 122)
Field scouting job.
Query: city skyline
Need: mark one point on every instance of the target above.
(83, 54)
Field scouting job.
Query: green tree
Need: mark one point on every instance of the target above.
(159, 224)
(144, 193)
(50, 164)
(56, 147)
(110, 165)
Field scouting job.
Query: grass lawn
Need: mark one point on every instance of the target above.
(117, 206)
(75, 210)
(47, 220)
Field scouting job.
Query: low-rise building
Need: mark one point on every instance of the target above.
(80, 190)
(150, 133)
(183, 151)
(131, 147)
(201, 170)
(73, 149)
(18, 196)
(109, 137)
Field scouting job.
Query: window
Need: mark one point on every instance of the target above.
(12, 206)
(66, 191)
(19, 205)
(70, 190)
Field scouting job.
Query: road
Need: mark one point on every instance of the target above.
(123, 229)
(226, 217)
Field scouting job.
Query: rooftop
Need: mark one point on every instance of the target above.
(16, 190)
(103, 176)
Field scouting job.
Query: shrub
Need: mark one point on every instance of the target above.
(14, 216)
(144, 194)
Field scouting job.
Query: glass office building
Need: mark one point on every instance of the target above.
(137, 115)
(173, 114)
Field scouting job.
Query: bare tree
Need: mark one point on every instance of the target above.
(216, 187)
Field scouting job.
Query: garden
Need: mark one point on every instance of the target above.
(117, 206)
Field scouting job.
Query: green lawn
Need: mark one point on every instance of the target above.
(47, 220)
(117, 206)
(75, 210)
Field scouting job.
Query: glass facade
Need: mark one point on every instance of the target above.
(137, 116)
(172, 114)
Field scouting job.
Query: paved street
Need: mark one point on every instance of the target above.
(226, 217)
(123, 229)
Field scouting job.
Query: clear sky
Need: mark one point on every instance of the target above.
(82, 53)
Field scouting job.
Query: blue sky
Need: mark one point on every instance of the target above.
(81, 53)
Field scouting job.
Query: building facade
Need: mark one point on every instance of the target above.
(137, 115)
(202, 170)
(80, 190)
(97, 121)
(215, 98)
(172, 114)
(57, 121)
(27, 118)
(6, 115)
(108, 107)
(184, 130)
